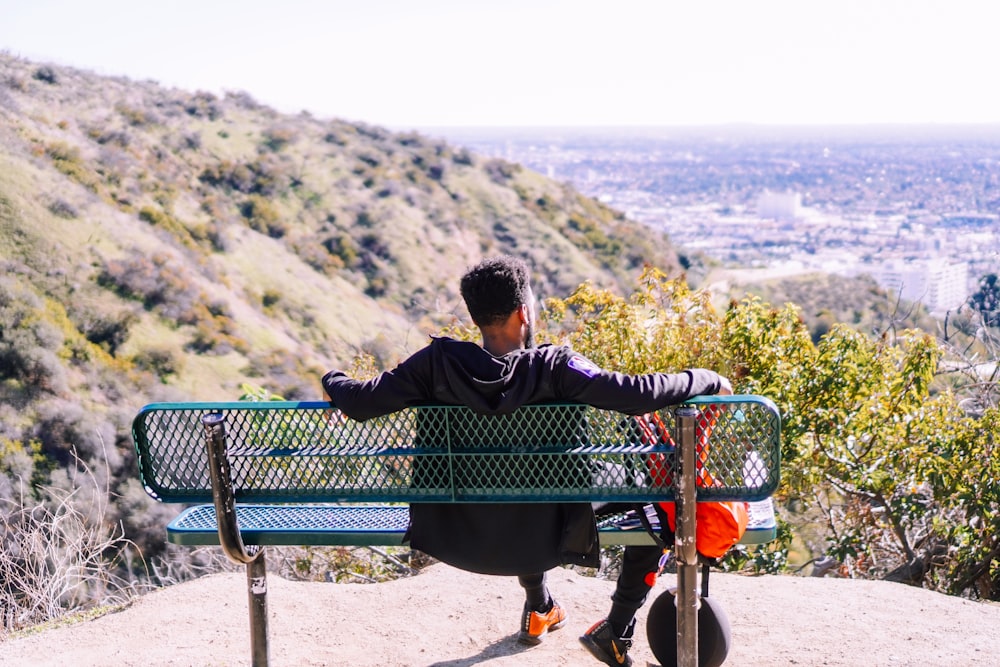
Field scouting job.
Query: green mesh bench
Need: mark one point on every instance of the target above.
(257, 474)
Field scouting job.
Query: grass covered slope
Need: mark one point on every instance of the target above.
(267, 246)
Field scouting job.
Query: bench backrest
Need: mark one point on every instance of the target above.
(283, 451)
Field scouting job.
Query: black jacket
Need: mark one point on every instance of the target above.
(508, 538)
(461, 373)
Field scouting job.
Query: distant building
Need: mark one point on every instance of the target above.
(780, 206)
(980, 220)
(937, 283)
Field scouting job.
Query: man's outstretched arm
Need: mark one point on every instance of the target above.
(388, 392)
(584, 381)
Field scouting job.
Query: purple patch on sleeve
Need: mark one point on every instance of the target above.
(583, 366)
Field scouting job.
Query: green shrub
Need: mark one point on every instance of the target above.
(243, 100)
(270, 298)
(134, 116)
(377, 286)
(162, 362)
(67, 160)
(262, 177)
(500, 171)
(108, 331)
(867, 446)
(262, 216)
(192, 141)
(463, 156)
(277, 138)
(169, 223)
(63, 209)
(154, 282)
(216, 335)
(343, 247)
(46, 74)
(29, 343)
(111, 137)
(377, 246)
(334, 137)
(204, 105)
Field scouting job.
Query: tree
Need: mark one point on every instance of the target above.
(986, 300)
(903, 480)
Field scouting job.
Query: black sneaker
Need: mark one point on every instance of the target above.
(600, 640)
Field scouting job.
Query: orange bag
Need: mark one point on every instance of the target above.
(718, 524)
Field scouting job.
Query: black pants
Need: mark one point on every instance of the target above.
(634, 584)
(637, 577)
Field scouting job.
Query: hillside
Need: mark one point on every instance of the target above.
(161, 244)
(263, 245)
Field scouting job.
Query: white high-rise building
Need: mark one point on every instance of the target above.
(780, 206)
(937, 283)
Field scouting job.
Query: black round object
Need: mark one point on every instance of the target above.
(714, 634)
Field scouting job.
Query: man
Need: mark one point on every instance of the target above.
(506, 372)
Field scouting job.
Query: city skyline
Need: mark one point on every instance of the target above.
(918, 212)
(446, 63)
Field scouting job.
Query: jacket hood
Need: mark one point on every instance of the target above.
(486, 383)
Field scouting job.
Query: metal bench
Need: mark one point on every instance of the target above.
(258, 474)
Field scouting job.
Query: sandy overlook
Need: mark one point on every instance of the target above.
(444, 617)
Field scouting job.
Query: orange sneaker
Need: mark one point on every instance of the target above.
(534, 624)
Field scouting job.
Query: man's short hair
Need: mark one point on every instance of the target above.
(495, 288)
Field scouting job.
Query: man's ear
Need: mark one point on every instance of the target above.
(524, 314)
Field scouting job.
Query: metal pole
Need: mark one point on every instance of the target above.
(685, 543)
(220, 473)
(257, 591)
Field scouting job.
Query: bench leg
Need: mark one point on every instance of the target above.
(230, 539)
(257, 600)
(686, 546)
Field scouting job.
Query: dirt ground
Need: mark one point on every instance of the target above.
(444, 617)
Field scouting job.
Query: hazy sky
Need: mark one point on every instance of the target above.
(412, 63)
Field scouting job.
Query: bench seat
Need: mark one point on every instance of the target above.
(374, 525)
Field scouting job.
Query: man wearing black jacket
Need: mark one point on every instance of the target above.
(506, 372)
